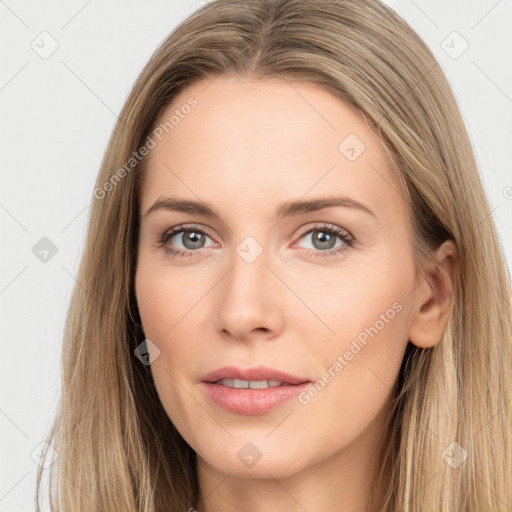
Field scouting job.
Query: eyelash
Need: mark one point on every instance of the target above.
(344, 235)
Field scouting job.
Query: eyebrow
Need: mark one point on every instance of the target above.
(286, 209)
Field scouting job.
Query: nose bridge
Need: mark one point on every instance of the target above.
(247, 302)
(249, 271)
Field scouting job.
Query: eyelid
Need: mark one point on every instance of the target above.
(302, 231)
(325, 225)
(187, 227)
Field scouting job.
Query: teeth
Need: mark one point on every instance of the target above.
(249, 384)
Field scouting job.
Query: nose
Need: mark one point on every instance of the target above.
(249, 300)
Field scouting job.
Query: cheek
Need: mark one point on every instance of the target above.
(364, 300)
(163, 321)
(377, 320)
(369, 313)
(170, 308)
(165, 299)
(168, 315)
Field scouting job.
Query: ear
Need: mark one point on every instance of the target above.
(433, 302)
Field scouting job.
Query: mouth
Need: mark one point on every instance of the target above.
(255, 377)
(251, 391)
(251, 384)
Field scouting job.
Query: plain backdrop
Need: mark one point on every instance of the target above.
(57, 111)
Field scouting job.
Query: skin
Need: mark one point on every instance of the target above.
(246, 147)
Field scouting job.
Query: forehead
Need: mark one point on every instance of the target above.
(246, 139)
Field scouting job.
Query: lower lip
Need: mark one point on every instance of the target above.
(252, 401)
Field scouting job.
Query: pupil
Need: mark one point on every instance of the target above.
(325, 240)
(192, 240)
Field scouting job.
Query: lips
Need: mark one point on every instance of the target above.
(251, 391)
(254, 374)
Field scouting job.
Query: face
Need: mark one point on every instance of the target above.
(306, 302)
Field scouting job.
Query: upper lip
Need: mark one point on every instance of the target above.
(253, 373)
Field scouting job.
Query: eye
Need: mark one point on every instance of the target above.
(327, 240)
(190, 237)
(324, 239)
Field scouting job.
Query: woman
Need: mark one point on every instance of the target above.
(212, 361)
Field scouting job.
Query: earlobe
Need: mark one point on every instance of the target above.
(433, 302)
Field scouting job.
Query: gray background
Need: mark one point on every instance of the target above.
(57, 113)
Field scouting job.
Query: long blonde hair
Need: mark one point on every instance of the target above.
(117, 449)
